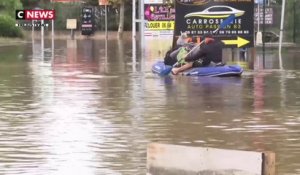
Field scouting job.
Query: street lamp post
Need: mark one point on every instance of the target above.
(281, 25)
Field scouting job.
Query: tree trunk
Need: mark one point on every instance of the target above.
(121, 23)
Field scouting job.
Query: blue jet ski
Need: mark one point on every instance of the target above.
(213, 71)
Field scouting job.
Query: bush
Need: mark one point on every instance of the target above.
(10, 6)
(8, 28)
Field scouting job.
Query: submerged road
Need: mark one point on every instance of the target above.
(80, 112)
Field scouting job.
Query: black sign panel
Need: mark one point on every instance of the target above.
(87, 24)
(197, 17)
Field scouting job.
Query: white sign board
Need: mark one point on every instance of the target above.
(175, 159)
(71, 23)
(268, 15)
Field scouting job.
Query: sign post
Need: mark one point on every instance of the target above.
(72, 24)
(133, 36)
(258, 34)
(105, 3)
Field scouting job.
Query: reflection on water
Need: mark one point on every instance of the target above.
(85, 113)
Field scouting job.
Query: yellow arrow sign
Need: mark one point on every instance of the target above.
(239, 42)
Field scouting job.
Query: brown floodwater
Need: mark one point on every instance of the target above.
(90, 110)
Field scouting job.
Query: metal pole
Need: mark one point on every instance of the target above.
(106, 53)
(32, 38)
(133, 19)
(32, 28)
(106, 35)
(142, 23)
(52, 28)
(263, 33)
(52, 38)
(142, 11)
(72, 34)
(281, 25)
(258, 33)
(294, 26)
(133, 35)
(52, 43)
(42, 39)
(280, 61)
(258, 19)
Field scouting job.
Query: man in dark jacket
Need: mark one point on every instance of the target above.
(209, 53)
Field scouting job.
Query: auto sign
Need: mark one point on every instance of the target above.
(197, 20)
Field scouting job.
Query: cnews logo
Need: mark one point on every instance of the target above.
(35, 14)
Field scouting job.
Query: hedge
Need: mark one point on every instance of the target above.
(8, 27)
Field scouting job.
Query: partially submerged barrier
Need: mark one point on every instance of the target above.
(164, 159)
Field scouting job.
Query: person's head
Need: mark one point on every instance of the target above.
(208, 37)
(183, 35)
(182, 39)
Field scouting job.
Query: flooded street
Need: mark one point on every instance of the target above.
(80, 112)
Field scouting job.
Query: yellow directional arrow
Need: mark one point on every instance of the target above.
(239, 42)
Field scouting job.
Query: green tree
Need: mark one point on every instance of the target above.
(7, 18)
(9, 7)
(8, 28)
(292, 20)
(28, 4)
